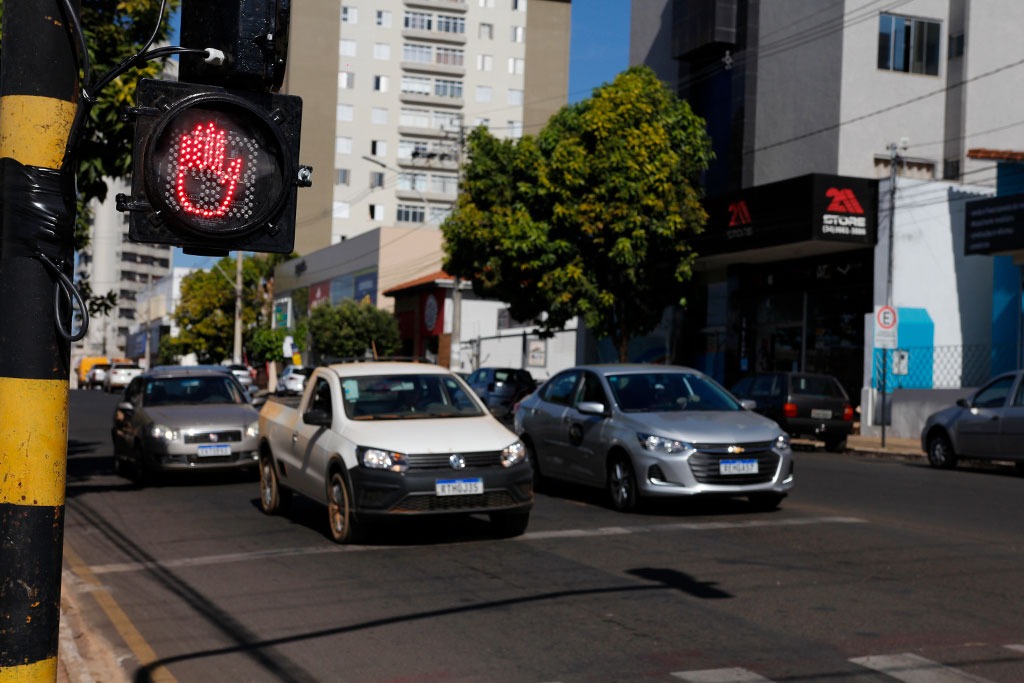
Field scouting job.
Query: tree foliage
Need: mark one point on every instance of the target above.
(591, 218)
(205, 314)
(350, 329)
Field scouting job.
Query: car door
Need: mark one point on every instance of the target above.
(978, 426)
(585, 445)
(308, 456)
(126, 422)
(546, 423)
(1011, 429)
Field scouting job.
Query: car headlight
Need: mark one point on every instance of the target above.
(782, 442)
(513, 454)
(659, 444)
(252, 430)
(158, 431)
(379, 459)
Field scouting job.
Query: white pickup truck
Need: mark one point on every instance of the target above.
(392, 438)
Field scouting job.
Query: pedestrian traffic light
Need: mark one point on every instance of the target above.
(215, 165)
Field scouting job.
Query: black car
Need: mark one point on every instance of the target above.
(501, 388)
(804, 404)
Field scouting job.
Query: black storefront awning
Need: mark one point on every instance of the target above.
(994, 225)
(823, 213)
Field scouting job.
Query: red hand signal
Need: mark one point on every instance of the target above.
(201, 159)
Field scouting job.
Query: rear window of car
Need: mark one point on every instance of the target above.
(411, 396)
(816, 385)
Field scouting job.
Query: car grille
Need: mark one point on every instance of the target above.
(432, 503)
(705, 463)
(441, 461)
(234, 435)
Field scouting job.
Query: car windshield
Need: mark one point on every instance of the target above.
(659, 392)
(399, 397)
(191, 391)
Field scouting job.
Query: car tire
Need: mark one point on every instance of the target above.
(622, 488)
(509, 524)
(835, 444)
(273, 498)
(940, 452)
(340, 514)
(765, 502)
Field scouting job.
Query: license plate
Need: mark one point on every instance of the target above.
(218, 449)
(821, 414)
(458, 487)
(737, 467)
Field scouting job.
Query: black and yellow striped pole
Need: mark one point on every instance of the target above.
(38, 89)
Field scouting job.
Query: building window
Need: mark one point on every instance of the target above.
(410, 213)
(347, 48)
(515, 129)
(379, 116)
(345, 112)
(420, 54)
(445, 120)
(484, 62)
(515, 97)
(951, 169)
(489, 4)
(409, 149)
(518, 5)
(420, 21)
(956, 46)
(487, 31)
(415, 118)
(416, 182)
(908, 45)
(447, 88)
(376, 212)
(415, 85)
(516, 65)
(380, 83)
(483, 93)
(450, 56)
(340, 210)
(126, 314)
(382, 51)
(481, 122)
(343, 145)
(383, 18)
(376, 179)
(349, 15)
(378, 148)
(346, 80)
(450, 24)
(518, 34)
(341, 176)
(444, 184)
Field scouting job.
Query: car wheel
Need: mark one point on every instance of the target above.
(509, 524)
(340, 516)
(273, 498)
(835, 444)
(622, 490)
(940, 452)
(765, 502)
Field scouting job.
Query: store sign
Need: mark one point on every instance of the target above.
(320, 293)
(994, 225)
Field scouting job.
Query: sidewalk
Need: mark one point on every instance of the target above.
(893, 446)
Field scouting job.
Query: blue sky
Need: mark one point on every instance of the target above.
(598, 51)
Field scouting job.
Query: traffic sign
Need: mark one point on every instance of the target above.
(886, 321)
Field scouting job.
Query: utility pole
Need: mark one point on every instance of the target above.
(236, 357)
(893, 165)
(38, 103)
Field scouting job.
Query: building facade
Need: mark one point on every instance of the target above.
(390, 90)
(874, 110)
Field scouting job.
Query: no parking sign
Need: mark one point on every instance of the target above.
(885, 327)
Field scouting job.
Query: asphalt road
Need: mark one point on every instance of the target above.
(872, 570)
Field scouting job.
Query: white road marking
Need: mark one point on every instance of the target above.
(123, 567)
(733, 675)
(911, 668)
(1015, 648)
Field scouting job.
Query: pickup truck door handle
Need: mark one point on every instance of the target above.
(295, 437)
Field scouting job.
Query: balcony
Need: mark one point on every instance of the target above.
(434, 36)
(434, 68)
(431, 100)
(460, 6)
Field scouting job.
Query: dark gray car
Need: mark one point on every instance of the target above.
(987, 425)
(184, 419)
(653, 431)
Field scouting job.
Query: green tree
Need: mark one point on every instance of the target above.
(592, 217)
(350, 329)
(206, 310)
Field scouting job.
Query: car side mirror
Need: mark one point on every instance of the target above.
(590, 408)
(126, 407)
(749, 403)
(317, 418)
(963, 402)
(258, 401)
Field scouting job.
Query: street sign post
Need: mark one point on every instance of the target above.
(886, 338)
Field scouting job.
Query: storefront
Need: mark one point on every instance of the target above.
(784, 277)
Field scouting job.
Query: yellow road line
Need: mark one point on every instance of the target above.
(122, 624)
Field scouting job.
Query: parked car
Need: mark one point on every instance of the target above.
(389, 439)
(501, 388)
(653, 431)
(243, 373)
(184, 419)
(805, 404)
(119, 375)
(293, 379)
(987, 425)
(96, 375)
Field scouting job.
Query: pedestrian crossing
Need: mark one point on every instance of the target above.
(905, 667)
(902, 667)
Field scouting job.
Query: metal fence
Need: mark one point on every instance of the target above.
(940, 367)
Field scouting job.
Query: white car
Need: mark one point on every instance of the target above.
(293, 379)
(119, 376)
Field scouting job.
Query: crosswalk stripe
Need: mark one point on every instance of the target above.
(732, 675)
(911, 668)
(1015, 648)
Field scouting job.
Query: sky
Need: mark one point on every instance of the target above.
(598, 52)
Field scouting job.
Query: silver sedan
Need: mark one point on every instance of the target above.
(184, 419)
(653, 431)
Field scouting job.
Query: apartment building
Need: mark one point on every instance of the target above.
(390, 90)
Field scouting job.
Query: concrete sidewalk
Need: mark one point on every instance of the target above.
(893, 446)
